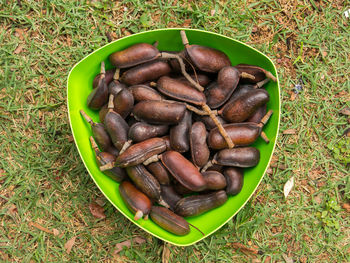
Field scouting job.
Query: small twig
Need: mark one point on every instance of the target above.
(184, 38)
(266, 118)
(200, 88)
(193, 68)
(262, 123)
(206, 166)
(155, 44)
(197, 229)
(183, 69)
(219, 125)
(186, 43)
(198, 111)
(269, 75)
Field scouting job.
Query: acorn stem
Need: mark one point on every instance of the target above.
(246, 75)
(138, 215)
(87, 117)
(264, 137)
(126, 145)
(116, 75)
(153, 84)
(107, 166)
(111, 102)
(258, 85)
(152, 159)
(163, 203)
(94, 144)
(103, 69)
(219, 125)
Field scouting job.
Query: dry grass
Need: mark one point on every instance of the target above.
(42, 179)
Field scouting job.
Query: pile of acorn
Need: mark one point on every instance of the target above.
(176, 128)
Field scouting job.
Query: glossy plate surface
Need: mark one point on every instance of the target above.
(80, 85)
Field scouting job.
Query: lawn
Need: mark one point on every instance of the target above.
(45, 190)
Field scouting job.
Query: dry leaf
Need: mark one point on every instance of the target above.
(187, 23)
(19, 33)
(290, 131)
(345, 111)
(212, 12)
(2, 175)
(127, 243)
(287, 259)
(55, 232)
(12, 209)
(279, 166)
(347, 132)
(166, 253)
(97, 211)
(346, 206)
(267, 259)
(18, 50)
(109, 37)
(100, 201)
(293, 96)
(288, 186)
(40, 227)
(269, 171)
(243, 248)
(69, 244)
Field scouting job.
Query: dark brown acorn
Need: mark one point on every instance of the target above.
(99, 96)
(134, 55)
(195, 205)
(135, 200)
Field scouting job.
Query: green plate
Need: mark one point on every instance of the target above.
(80, 85)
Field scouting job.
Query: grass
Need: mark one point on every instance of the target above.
(44, 181)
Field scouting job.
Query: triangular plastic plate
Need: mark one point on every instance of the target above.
(80, 85)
